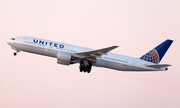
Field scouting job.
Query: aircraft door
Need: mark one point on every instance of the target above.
(133, 65)
(24, 40)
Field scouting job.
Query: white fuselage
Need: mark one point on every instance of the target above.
(51, 48)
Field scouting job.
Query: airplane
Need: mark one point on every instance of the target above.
(67, 54)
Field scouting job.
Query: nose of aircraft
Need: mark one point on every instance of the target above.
(9, 42)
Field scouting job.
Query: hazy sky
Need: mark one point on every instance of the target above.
(136, 26)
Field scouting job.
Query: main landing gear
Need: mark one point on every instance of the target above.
(85, 65)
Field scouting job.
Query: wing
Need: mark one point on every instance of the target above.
(92, 55)
(158, 66)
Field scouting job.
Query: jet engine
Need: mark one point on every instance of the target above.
(63, 58)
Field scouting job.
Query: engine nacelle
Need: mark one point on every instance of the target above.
(63, 58)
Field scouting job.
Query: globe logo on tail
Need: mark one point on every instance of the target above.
(151, 56)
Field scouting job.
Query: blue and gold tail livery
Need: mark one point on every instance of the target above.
(156, 54)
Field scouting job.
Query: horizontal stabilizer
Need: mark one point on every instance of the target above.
(158, 65)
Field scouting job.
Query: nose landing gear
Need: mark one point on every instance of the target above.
(17, 50)
(15, 53)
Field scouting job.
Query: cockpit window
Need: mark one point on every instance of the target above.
(12, 39)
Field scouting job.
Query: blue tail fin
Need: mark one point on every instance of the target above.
(156, 54)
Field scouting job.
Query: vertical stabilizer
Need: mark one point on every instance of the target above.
(156, 54)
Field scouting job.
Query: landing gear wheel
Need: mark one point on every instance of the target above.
(86, 68)
(15, 54)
